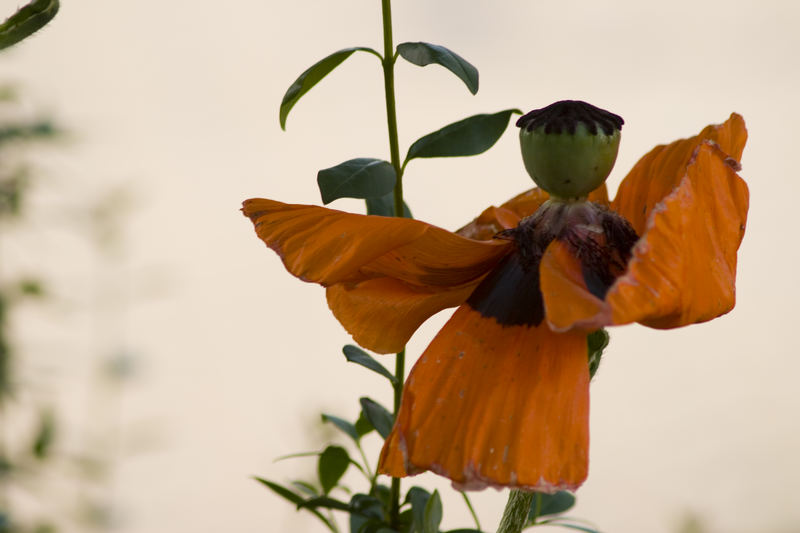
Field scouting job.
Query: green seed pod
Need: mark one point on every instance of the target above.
(569, 147)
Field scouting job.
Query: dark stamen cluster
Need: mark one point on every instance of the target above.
(567, 114)
(599, 238)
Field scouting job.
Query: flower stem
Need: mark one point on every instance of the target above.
(394, 151)
(391, 108)
(516, 512)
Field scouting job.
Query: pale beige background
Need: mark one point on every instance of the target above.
(178, 101)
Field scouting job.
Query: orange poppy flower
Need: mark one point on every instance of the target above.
(501, 395)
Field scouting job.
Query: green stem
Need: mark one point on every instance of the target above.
(471, 510)
(394, 151)
(391, 108)
(516, 512)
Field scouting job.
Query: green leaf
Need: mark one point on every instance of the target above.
(325, 502)
(422, 54)
(418, 498)
(463, 531)
(354, 354)
(556, 503)
(433, 514)
(380, 418)
(304, 486)
(296, 499)
(312, 76)
(384, 206)
(343, 425)
(363, 426)
(367, 510)
(26, 21)
(357, 178)
(471, 136)
(332, 465)
(596, 342)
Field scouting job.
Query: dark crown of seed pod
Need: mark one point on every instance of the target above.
(567, 114)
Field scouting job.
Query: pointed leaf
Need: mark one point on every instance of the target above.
(433, 514)
(422, 54)
(380, 418)
(471, 136)
(343, 425)
(312, 76)
(332, 465)
(26, 21)
(357, 178)
(354, 354)
(596, 342)
(384, 206)
(295, 499)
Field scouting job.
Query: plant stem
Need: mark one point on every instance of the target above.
(394, 151)
(471, 510)
(516, 512)
(391, 108)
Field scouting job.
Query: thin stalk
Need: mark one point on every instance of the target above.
(516, 512)
(472, 511)
(394, 152)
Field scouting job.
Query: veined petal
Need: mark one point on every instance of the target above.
(381, 271)
(493, 405)
(683, 269)
(661, 171)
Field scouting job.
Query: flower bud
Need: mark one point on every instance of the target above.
(569, 147)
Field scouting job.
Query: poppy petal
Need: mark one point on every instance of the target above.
(381, 271)
(381, 314)
(568, 302)
(493, 405)
(659, 172)
(326, 246)
(683, 269)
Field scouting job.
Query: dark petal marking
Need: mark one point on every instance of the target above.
(567, 114)
(510, 293)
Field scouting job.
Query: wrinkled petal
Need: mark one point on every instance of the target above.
(382, 265)
(508, 215)
(492, 405)
(683, 268)
(661, 171)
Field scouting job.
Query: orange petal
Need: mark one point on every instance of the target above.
(381, 314)
(568, 303)
(327, 246)
(659, 172)
(488, 405)
(683, 269)
(507, 216)
(385, 275)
